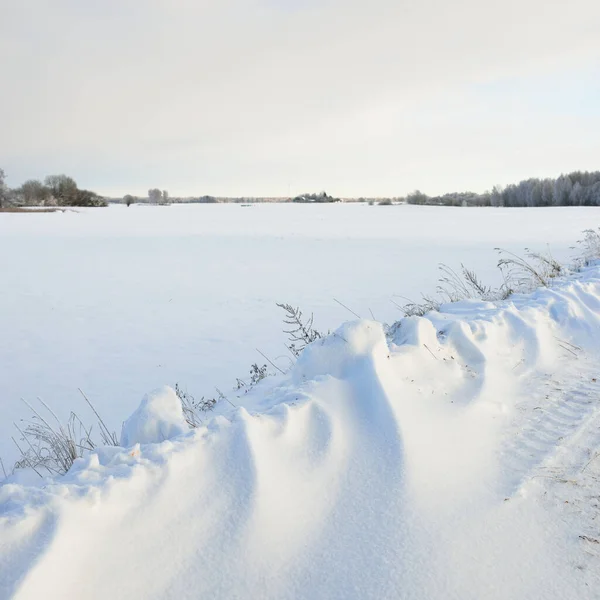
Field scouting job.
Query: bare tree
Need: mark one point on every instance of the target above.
(63, 188)
(3, 188)
(33, 192)
(154, 195)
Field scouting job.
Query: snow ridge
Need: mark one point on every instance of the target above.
(388, 463)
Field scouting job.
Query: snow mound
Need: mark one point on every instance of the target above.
(337, 355)
(420, 462)
(159, 417)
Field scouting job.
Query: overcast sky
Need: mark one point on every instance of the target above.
(270, 97)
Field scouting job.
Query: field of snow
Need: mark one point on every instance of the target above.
(451, 459)
(121, 300)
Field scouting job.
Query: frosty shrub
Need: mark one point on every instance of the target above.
(453, 286)
(48, 445)
(419, 309)
(589, 247)
(257, 373)
(192, 408)
(524, 274)
(301, 331)
(519, 273)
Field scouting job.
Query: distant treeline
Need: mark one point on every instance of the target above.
(155, 196)
(164, 198)
(321, 198)
(56, 190)
(580, 188)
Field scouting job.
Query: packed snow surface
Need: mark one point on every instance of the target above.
(451, 456)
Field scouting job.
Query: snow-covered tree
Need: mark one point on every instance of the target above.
(33, 193)
(496, 197)
(3, 188)
(547, 192)
(562, 190)
(577, 195)
(155, 195)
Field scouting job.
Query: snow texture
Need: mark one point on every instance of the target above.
(159, 417)
(452, 456)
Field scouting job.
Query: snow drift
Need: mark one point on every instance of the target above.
(416, 462)
(158, 418)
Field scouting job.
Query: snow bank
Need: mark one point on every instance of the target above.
(159, 417)
(339, 354)
(413, 463)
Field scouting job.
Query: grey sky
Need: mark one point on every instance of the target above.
(266, 97)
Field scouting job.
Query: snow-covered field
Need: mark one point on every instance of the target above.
(121, 300)
(451, 460)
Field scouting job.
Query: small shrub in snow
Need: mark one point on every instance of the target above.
(590, 246)
(257, 373)
(453, 287)
(300, 334)
(464, 285)
(525, 274)
(192, 407)
(302, 331)
(520, 274)
(48, 445)
(419, 309)
(53, 449)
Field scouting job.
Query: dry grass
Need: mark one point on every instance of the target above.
(589, 247)
(524, 274)
(520, 275)
(301, 332)
(49, 446)
(192, 408)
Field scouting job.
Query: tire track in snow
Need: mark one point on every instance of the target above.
(567, 486)
(555, 415)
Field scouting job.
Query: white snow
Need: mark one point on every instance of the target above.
(452, 456)
(120, 301)
(159, 417)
